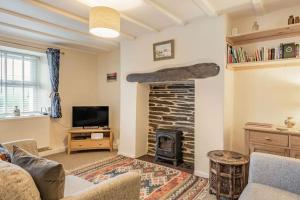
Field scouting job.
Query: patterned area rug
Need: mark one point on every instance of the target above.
(157, 181)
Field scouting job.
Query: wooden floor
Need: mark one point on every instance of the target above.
(187, 167)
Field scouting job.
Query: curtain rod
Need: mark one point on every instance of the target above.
(28, 46)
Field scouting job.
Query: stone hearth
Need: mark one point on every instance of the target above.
(172, 106)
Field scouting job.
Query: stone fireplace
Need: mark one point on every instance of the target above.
(188, 97)
(172, 107)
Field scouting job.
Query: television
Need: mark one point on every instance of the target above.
(90, 116)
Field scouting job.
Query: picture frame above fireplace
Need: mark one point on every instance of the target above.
(164, 50)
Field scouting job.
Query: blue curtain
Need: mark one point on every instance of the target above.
(53, 56)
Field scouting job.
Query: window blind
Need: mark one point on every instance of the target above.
(19, 85)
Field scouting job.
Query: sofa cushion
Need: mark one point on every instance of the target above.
(264, 192)
(49, 176)
(29, 145)
(4, 154)
(16, 183)
(74, 184)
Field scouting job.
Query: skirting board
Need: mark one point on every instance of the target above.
(53, 151)
(201, 174)
(127, 155)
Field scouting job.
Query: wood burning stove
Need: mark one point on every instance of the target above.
(168, 145)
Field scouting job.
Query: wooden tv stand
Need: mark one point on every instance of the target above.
(80, 139)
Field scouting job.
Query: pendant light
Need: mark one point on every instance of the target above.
(104, 22)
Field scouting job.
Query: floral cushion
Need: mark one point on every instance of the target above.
(4, 154)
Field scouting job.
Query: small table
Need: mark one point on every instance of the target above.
(227, 173)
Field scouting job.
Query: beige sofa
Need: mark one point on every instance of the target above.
(125, 187)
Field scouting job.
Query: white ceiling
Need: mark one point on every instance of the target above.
(65, 22)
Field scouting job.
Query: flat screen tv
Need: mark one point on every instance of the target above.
(90, 116)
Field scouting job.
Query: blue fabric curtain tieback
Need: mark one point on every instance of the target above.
(52, 94)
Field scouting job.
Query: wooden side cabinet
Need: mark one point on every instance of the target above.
(273, 141)
(80, 139)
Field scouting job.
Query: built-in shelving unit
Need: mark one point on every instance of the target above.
(264, 35)
(264, 64)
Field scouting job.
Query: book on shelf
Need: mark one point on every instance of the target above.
(239, 55)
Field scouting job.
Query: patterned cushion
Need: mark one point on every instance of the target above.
(4, 154)
(16, 183)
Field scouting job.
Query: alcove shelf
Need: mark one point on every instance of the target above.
(264, 35)
(260, 36)
(264, 64)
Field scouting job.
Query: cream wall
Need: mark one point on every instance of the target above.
(265, 95)
(270, 20)
(228, 99)
(142, 102)
(200, 41)
(24, 128)
(78, 87)
(109, 92)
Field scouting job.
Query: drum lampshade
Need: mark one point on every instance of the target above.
(104, 22)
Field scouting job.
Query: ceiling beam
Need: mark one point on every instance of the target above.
(124, 16)
(53, 36)
(206, 7)
(16, 42)
(165, 11)
(16, 14)
(68, 14)
(56, 10)
(258, 6)
(86, 21)
(139, 23)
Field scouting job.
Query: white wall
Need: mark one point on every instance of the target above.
(109, 92)
(200, 41)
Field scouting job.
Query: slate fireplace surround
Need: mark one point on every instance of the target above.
(172, 107)
(172, 102)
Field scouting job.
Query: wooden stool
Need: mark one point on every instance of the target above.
(227, 174)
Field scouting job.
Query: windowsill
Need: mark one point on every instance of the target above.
(23, 116)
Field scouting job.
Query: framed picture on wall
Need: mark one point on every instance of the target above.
(111, 77)
(163, 50)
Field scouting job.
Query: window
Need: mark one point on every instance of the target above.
(19, 84)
